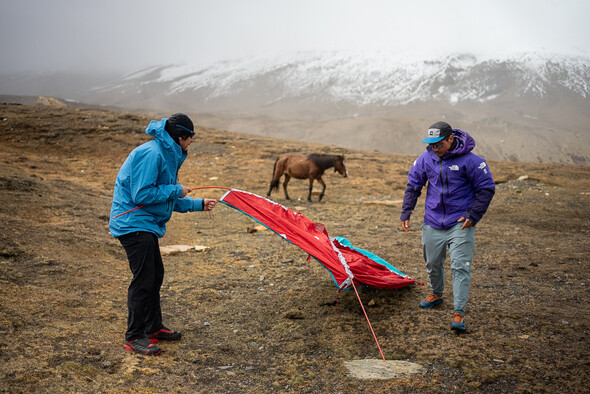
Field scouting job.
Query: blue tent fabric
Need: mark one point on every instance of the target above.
(370, 255)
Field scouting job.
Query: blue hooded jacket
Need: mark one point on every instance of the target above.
(459, 184)
(147, 190)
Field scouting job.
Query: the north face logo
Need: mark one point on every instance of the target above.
(483, 166)
(454, 167)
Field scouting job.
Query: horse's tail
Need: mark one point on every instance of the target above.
(274, 167)
(274, 183)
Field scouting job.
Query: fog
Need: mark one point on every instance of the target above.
(120, 36)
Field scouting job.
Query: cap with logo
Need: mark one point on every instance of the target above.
(437, 132)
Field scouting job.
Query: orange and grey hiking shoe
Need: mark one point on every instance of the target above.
(164, 334)
(143, 346)
(458, 322)
(431, 301)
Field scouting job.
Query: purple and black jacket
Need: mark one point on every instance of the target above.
(459, 184)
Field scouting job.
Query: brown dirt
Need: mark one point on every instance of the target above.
(255, 316)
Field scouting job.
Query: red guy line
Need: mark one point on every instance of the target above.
(211, 187)
(131, 210)
(193, 188)
(367, 317)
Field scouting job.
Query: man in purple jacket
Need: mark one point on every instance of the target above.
(460, 189)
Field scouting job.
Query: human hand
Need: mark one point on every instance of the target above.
(406, 225)
(185, 190)
(468, 223)
(209, 204)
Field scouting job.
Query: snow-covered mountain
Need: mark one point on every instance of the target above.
(532, 106)
(359, 81)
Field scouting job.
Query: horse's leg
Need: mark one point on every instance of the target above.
(321, 181)
(287, 178)
(310, 188)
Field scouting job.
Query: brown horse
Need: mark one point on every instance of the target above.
(310, 167)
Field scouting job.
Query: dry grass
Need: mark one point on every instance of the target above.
(255, 316)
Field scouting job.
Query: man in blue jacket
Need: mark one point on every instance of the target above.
(460, 189)
(146, 193)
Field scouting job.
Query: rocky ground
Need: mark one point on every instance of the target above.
(255, 315)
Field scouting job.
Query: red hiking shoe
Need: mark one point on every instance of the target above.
(164, 334)
(143, 346)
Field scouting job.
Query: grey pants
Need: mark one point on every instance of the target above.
(461, 244)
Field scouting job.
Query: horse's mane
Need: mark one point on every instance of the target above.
(325, 161)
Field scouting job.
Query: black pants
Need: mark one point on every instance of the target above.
(143, 296)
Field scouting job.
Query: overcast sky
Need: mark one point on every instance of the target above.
(125, 35)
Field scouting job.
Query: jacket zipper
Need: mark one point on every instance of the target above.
(442, 195)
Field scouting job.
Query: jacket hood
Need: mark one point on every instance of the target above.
(156, 129)
(465, 144)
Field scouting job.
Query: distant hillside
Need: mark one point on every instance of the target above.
(529, 107)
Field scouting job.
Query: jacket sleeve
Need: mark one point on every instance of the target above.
(416, 181)
(145, 170)
(189, 204)
(485, 188)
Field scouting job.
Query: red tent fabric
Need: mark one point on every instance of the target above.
(344, 264)
(368, 272)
